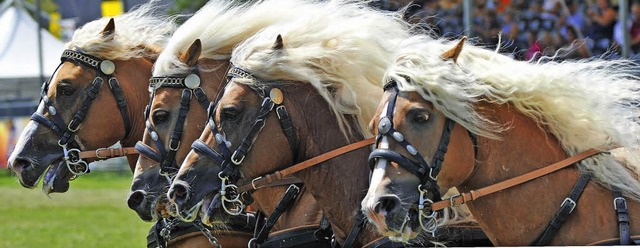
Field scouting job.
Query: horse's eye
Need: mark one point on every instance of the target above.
(229, 113)
(421, 117)
(160, 116)
(66, 90)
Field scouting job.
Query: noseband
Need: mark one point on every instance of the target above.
(272, 99)
(166, 156)
(70, 147)
(426, 172)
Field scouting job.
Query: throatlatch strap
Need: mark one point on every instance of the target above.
(358, 224)
(620, 205)
(289, 196)
(566, 208)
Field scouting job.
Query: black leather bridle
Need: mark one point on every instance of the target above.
(70, 147)
(165, 155)
(426, 172)
(230, 162)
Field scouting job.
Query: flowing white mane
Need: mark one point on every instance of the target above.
(222, 24)
(585, 104)
(342, 48)
(138, 33)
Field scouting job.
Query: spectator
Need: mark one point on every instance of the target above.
(576, 48)
(603, 20)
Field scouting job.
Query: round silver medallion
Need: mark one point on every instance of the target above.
(384, 126)
(276, 96)
(154, 136)
(52, 110)
(412, 150)
(398, 136)
(192, 81)
(219, 139)
(107, 67)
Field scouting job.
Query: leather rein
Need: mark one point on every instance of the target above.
(73, 156)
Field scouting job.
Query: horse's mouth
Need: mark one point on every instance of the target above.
(407, 230)
(210, 213)
(56, 178)
(189, 215)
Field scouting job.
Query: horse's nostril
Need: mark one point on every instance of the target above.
(387, 204)
(178, 193)
(19, 165)
(135, 199)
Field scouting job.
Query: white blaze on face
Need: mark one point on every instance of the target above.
(380, 167)
(27, 133)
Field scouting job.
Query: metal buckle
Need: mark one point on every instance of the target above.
(98, 152)
(431, 176)
(452, 203)
(236, 161)
(569, 200)
(615, 206)
(174, 149)
(253, 182)
(278, 113)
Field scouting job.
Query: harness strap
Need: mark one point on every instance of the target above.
(105, 153)
(384, 242)
(287, 128)
(168, 165)
(620, 205)
(475, 194)
(358, 224)
(279, 175)
(324, 232)
(289, 196)
(297, 237)
(122, 104)
(566, 208)
(147, 152)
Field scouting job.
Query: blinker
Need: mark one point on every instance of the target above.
(276, 96)
(192, 81)
(107, 67)
(384, 125)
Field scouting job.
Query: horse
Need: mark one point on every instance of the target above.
(99, 75)
(526, 141)
(319, 78)
(186, 78)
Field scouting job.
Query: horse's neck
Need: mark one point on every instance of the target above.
(340, 184)
(516, 216)
(304, 211)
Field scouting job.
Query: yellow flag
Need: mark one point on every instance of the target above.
(54, 24)
(112, 8)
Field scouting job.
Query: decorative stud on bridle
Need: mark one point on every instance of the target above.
(272, 98)
(70, 147)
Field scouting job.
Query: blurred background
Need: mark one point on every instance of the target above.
(94, 213)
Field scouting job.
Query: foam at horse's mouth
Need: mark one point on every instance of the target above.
(57, 177)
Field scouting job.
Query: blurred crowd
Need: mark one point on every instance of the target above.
(529, 29)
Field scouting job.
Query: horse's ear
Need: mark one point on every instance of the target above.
(110, 29)
(278, 45)
(454, 52)
(190, 57)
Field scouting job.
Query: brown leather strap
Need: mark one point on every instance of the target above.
(105, 153)
(475, 194)
(615, 241)
(279, 175)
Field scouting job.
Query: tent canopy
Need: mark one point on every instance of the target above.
(19, 46)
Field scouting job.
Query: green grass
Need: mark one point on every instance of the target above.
(93, 213)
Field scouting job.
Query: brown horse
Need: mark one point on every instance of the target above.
(507, 128)
(316, 110)
(186, 78)
(100, 75)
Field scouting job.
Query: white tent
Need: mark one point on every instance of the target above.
(19, 46)
(19, 61)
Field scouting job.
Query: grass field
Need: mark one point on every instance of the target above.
(93, 213)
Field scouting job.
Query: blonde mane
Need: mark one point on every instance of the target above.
(585, 104)
(222, 24)
(138, 33)
(341, 48)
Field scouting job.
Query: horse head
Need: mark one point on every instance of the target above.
(420, 155)
(89, 84)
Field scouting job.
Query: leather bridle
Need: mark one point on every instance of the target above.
(73, 156)
(165, 155)
(426, 172)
